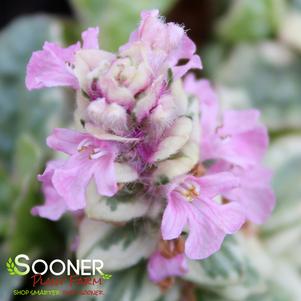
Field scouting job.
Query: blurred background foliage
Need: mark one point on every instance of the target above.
(251, 50)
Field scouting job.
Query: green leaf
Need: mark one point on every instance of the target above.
(229, 272)
(127, 234)
(268, 73)
(170, 77)
(10, 266)
(225, 263)
(23, 111)
(118, 246)
(106, 276)
(131, 284)
(281, 235)
(296, 4)
(203, 295)
(290, 29)
(15, 187)
(27, 233)
(116, 18)
(25, 120)
(251, 20)
(8, 192)
(224, 267)
(128, 204)
(285, 160)
(285, 182)
(27, 159)
(251, 282)
(283, 288)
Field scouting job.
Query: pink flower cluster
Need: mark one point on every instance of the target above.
(145, 120)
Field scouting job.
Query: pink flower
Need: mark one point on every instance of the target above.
(191, 203)
(236, 142)
(236, 137)
(55, 205)
(90, 38)
(160, 268)
(153, 49)
(254, 194)
(167, 44)
(138, 76)
(89, 158)
(53, 66)
(133, 82)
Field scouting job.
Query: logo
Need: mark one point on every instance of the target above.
(57, 267)
(12, 269)
(82, 277)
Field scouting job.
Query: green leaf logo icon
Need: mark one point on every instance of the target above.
(105, 276)
(10, 265)
(11, 268)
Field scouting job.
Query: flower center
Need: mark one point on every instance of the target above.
(94, 152)
(190, 193)
(84, 145)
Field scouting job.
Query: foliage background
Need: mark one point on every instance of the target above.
(250, 50)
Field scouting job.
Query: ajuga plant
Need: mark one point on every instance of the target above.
(155, 170)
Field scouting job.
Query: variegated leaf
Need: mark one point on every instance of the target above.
(120, 208)
(119, 247)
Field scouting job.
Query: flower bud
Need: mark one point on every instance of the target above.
(109, 116)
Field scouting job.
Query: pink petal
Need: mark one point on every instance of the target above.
(204, 238)
(50, 67)
(174, 218)
(71, 181)
(90, 38)
(148, 22)
(214, 184)
(187, 47)
(246, 148)
(105, 177)
(258, 203)
(160, 268)
(48, 173)
(209, 222)
(236, 122)
(168, 43)
(240, 139)
(255, 194)
(242, 149)
(208, 101)
(193, 63)
(228, 217)
(54, 206)
(65, 140)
